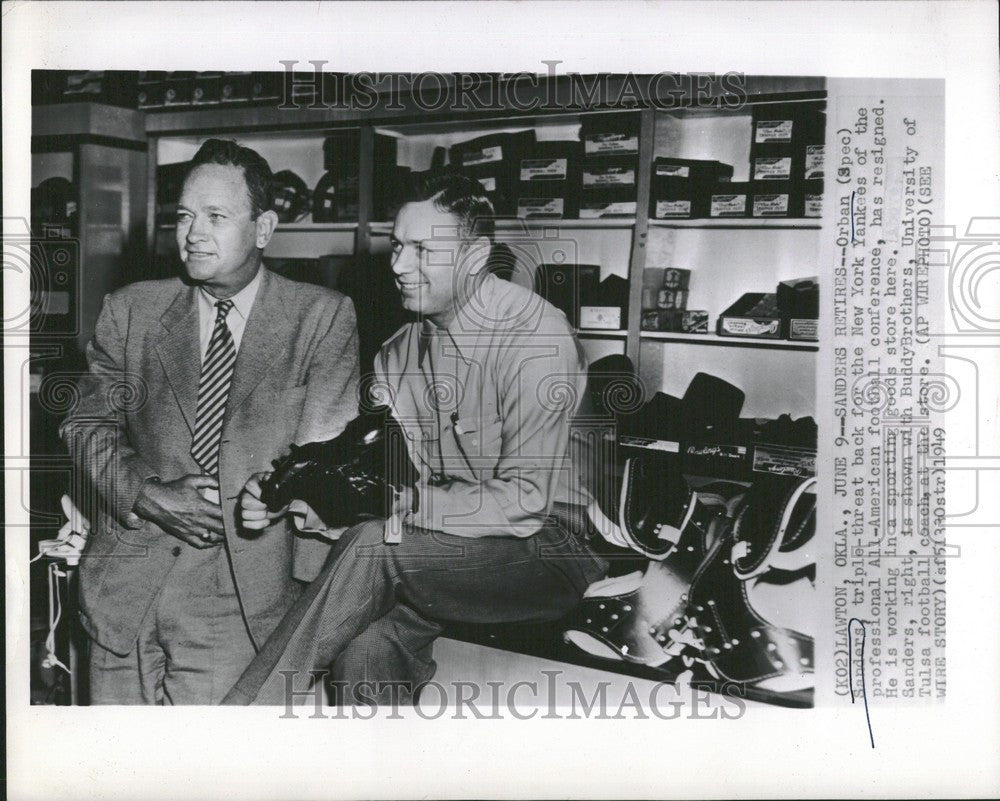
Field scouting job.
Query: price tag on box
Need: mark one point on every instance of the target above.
(602, 317)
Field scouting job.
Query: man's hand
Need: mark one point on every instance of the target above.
(253, 511)
(180, 508)
(402, 503)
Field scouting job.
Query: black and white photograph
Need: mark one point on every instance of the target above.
(539, 410)
(477, 336)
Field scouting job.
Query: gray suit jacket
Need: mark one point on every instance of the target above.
(295, 380)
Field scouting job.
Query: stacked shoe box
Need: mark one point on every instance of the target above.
(610, 165)
(548, 180)
(494, 160)
(786, 160)
(682, 187)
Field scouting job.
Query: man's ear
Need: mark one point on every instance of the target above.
(267, 221)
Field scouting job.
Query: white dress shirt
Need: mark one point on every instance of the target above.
(236, 319)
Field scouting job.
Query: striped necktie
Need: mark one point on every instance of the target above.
(213, 391)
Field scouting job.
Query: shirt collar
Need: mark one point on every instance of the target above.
(464, 329)
(242, 300)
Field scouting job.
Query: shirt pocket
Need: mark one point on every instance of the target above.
(479, 443)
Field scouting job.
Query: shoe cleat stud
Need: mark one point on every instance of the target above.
(711, 602)
(604, 629)
(727, 646)
(614, 617)
(735, 642)
(627, 608)
(778, 664)
(804, 661)
(755, 635)
(600, 606)
(772, 647)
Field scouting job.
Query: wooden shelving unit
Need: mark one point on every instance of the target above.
(730, 342)
(743, 223)
(623, 246)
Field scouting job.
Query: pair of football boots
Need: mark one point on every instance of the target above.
(729, 591)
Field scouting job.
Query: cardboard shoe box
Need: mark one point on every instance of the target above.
(785, 123)
(610, 171)
(798, 302)
(550, 161)
(610, 134)
(813, 162)
(548, 204)
(699, 171)
(487, 151)
(494, 160)
(674, 200)
(812, 199)
(775, 199)
(681, 321)
(608, 202)
(680, 186)
(730, 199)
(774, 167)
(755, 314)
(548, 181)
(607, 307)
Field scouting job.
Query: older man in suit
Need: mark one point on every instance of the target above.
(195, 383)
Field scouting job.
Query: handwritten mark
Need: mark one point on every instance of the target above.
(850, 666)
(853, 240)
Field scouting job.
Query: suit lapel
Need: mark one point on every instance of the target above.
(179, 351)
(265, 341)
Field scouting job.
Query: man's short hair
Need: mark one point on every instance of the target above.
(256, 170)
(462, 196)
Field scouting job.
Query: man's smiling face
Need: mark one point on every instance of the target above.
(434, 265)
(216, 236)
